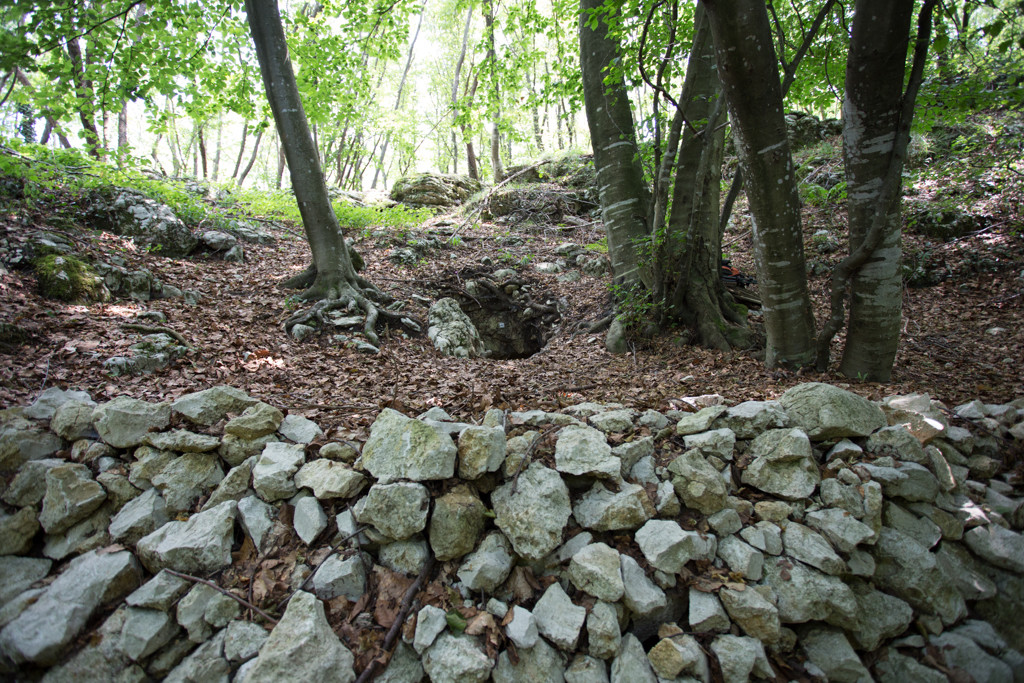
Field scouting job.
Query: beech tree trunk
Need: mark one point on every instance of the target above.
(84, 95)
(331, 263)
(625, 197)
(750, 77)
(495, 95)
(877, 114)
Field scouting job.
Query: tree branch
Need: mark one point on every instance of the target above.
(211, 584)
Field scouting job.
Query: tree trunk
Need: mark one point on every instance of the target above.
(331, 276)
(494, 95)
(455, 88)
(625, 201)
(202, 149)
(689, 256)
(877, 114)
(241, 150)
(252, 159)
(122, 127)
(751, 81)
(84, 95)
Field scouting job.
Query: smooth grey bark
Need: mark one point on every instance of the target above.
(877, 115)
(749, 75)
(494, 95)
(624, 195)
(252, 158)
(85, 96)
(689, 257)
(455, 87)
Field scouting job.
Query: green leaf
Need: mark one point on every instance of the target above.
(456, 622)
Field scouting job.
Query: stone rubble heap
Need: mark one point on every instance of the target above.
(867, 541)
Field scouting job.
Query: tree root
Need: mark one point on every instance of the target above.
(350, 298)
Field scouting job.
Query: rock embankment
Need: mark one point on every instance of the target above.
(819, 535)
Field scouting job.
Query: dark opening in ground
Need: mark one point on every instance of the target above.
(506, 333)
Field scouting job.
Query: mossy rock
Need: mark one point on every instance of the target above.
(67, 278)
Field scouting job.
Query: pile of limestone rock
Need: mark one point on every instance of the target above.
(819, 535)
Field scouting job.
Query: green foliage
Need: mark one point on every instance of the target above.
(66, 278)
(600, 246)
(634, 305)
(816, 195)
(361, 217)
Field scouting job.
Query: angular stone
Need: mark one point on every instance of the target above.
(243, 640)
(309, 519)
(489, 566)
(831, 652)
(212, 405)
(699, 421)
(805, 594)
(668, 547)
(408, 556)
(480, 450)
(236, 450)
(911, 481)
(764, 536)
(706, 614)
(755, 615)
(19, 445)
(206, 662)
(256, 518)
(183, 480)
(784, 464)
(19, 574)
(159, 593)
(631, 452)
(840, 527)
(149, 463)
(614, 421)
(584, 451)
(198, 546)
(827, 412)
(46, 404)
(750, 418)
(17, 531)
(879, 616)
(182, 440)
(540, 663)
(717, 442)
(146, 631)
(641, 595)
(922, 530)
(124, 422)
(698, 485)
(533, 512)
(558, 619)
(430, 622)
(258, 420)
(299, 429)
(89, 534)
(725, 522)
(456, 658)
(73, 420)
(631, 664)
(595, 570)
(741, 659)
(340, 576)
(894, 667)
(998, 546)
(906, 569)
(603, 632)
(671, 657)
(403, 667)
(811, 548)
(71, 496)
(42, 632)
(29, 486)
(601, 509)
(402, 448)
(457, 523)
(741, 558)
(274, 471)
(896, 441)
(234, 486)
(302, 647)
(397, 510)
(522, 628)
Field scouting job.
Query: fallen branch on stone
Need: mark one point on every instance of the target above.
(403, 613)
(211, 584)
(158, 329)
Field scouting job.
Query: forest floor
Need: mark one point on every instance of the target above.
(961, 339)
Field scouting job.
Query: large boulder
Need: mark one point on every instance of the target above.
(150, 224)
(827, 412)
(533, 512)
(400, 447)
(434, 189)
(452, 332)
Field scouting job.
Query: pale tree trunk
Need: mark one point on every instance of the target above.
(331, 276)
(216, 155)
(122, 127)
(877, 114)
(455, 88)
(625, 201)
(398, 96)
(241, 150)
(688, 260)
(84, 95)
(743, 44)
(252, 158)
(494, 94)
